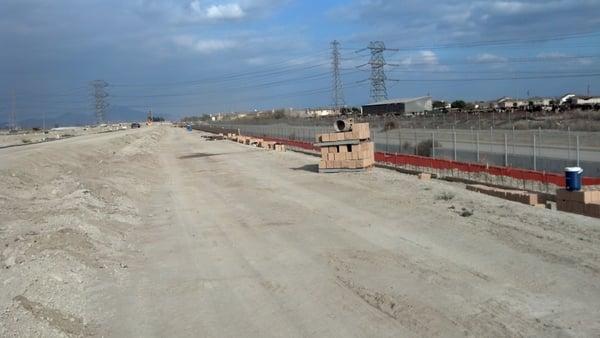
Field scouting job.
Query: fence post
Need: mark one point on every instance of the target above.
(534, 154)
(416, 150)
(513, 140)
(569, 149)
(577, 142)
(374, 139)
(433, 144)
(540, 142)
(387, 142)
(454, 142)
(477, 144)
(399, 141)
(505, 150)
(491, 140)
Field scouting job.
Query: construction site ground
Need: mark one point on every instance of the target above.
(157, 232)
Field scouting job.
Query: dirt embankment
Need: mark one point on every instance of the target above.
(65, 214)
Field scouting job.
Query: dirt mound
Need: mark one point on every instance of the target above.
(64, 218)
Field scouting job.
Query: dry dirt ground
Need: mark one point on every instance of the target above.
(156, 232)
(25, 137)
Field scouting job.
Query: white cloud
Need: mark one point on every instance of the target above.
(200, 12)
(551, 55)
(256, 61)
(207, 11)
(429, 57)
(425, 57)
(204, 46)
(569, 59)
(488, 58)
(228, 11)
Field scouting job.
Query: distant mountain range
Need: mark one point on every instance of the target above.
(114, 114)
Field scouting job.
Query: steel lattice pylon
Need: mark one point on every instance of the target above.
(99, 96)
(337, 88)
(377, 62)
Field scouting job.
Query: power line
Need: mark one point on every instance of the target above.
(499, 42)
(501, 60)
(250, 86)
(294, 94)
(504, 78)
(269, 70)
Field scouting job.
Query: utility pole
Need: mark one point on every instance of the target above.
(337, 90)
(100, 103)
(377, 63)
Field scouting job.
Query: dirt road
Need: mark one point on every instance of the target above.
(158, 233)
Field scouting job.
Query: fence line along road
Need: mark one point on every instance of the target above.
(543, 150)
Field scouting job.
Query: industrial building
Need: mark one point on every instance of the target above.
(584, 100)
(406, 106)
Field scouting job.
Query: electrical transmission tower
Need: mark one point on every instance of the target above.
(337, 89)
(378, 77)
(100, 103)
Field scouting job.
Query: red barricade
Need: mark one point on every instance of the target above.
(421, 161)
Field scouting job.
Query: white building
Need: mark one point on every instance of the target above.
(585, 100)
(541, 101)
(320, 112)
(509, 103)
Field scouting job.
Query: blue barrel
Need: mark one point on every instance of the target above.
(189, 127)
(573, 178)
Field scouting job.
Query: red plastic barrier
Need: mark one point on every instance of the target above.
(421, 161)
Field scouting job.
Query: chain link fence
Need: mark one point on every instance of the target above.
(541, 150)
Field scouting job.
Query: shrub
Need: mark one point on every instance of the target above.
(424, 148)
(389, 125)
(445, 196)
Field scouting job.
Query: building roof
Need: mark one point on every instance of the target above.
(393, 101)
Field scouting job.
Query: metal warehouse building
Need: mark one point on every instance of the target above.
(399, 106)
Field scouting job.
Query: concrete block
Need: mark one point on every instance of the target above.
(362, 163)
(577, 196)
(576, 207)
(592, 210)
(424, 176)
(361, 131)
(530, 198)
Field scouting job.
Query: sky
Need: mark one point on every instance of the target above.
(190, 57)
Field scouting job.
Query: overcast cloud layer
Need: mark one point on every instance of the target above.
(187, 57)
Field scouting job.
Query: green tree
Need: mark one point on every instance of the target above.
(459, 104)
(439, 104)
